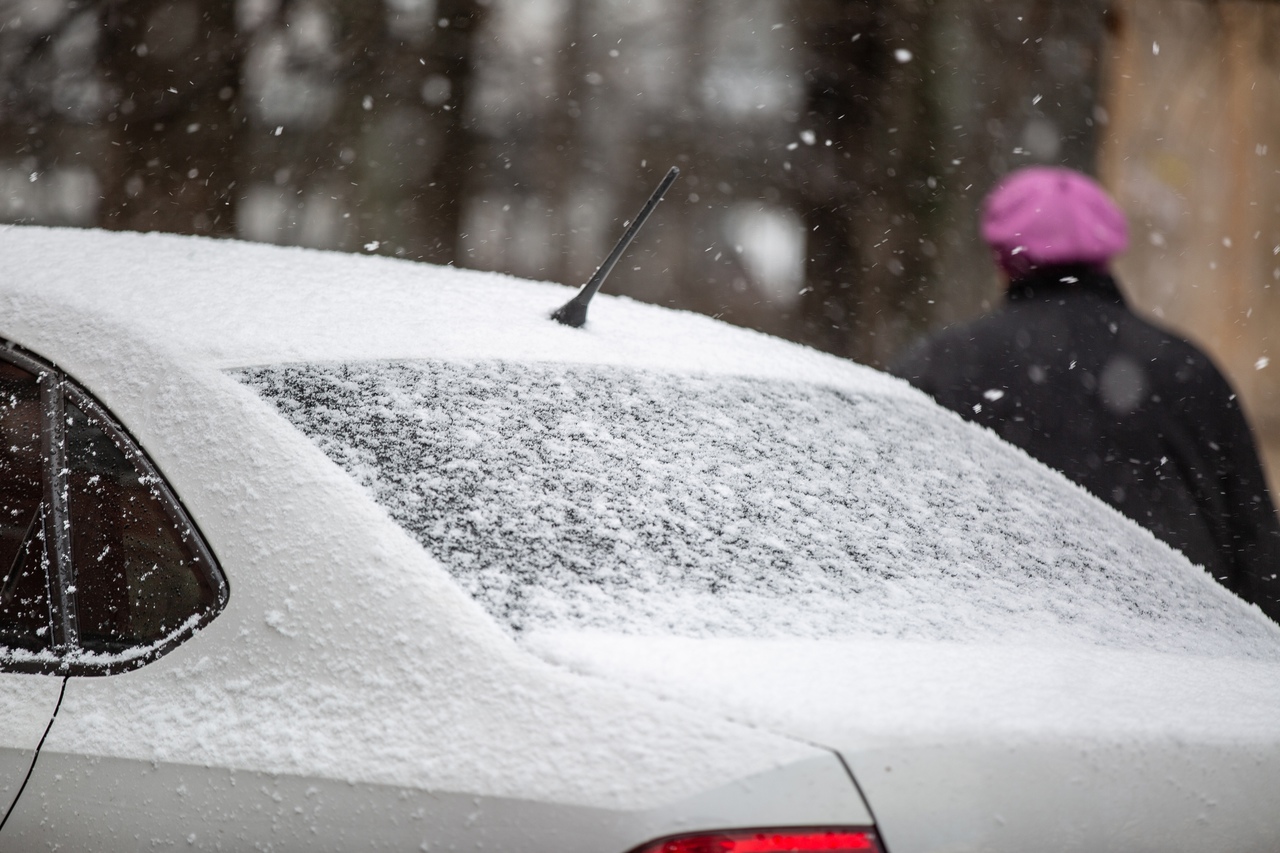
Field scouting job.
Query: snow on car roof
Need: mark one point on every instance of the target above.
(227, 303)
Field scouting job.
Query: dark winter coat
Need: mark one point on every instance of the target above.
(1134, 414)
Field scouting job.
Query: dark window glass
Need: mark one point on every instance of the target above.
(138, 575)
(24, 590)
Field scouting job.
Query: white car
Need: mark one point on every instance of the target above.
(304, 551)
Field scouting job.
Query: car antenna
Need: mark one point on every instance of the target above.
(574, 312)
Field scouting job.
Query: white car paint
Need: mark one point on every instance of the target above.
(351, 693)
(1011, 749)
(27, 703)
(346, 657)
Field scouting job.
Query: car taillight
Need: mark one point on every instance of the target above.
(767, 841)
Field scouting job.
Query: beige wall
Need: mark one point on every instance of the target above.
(1191, 149)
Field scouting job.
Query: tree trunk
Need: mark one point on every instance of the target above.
(173, 73)
(1192, 153)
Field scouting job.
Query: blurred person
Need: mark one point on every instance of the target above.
(1063, 369)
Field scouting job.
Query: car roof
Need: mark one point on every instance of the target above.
(228, 303)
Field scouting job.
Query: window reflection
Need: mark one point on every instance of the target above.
(24, 593)
(136, 578)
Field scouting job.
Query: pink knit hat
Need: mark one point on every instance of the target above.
(1045, 215)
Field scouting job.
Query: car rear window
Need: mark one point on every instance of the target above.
(572, 496)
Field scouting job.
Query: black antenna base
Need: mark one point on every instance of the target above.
(574, 312)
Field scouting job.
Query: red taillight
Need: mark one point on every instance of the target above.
(768, 841)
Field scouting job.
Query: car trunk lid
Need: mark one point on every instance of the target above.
(993, 747)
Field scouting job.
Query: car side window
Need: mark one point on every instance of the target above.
(25, 617)
(103, 569)
(138, 579)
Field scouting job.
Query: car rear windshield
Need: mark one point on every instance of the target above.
(571, 496)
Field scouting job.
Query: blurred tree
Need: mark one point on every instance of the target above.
(1017, 83)
(171, 71)
(361, 137)
(332, 123)
(49, 82)
(912, 109)
(446, 90)
(862, 168)
(581, 106)
(122, 115)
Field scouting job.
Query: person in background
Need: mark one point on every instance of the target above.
(1064, 370)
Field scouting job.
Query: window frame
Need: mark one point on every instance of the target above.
(66, 656)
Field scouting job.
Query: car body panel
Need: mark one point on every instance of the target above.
(407, 665)
(27, 703)
(964, 748)
(1061, 793)
(116, 803)
(410, 685)
(348, 656)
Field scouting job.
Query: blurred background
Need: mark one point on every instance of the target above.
(833, 151)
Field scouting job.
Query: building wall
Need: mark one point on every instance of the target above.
(1191, 149)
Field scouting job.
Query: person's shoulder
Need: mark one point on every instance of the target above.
(1166, 343)
(1175, 357)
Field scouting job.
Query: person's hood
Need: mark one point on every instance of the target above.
(1015, 749)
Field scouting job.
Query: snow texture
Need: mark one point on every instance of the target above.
(905, 690)
(347, 652)
(571, 497)
(223, 303)
(105, 661)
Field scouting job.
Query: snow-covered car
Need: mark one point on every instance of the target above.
(306, 551)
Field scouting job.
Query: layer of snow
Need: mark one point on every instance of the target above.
(1005, 747)
(658, 503)
(856, 693)
(345, 651)
(1002, 747)
(227, 303)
